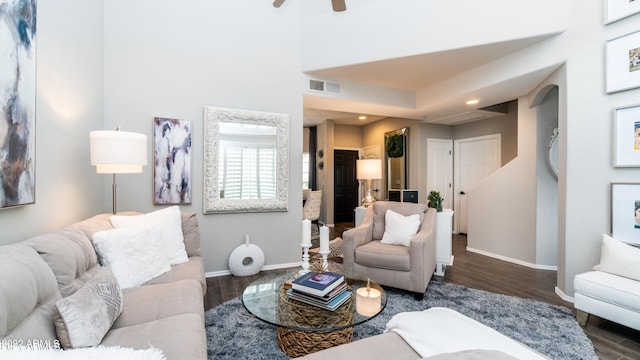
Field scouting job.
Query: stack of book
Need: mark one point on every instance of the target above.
(325, 290)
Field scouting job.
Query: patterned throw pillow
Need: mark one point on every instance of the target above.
(85, 317)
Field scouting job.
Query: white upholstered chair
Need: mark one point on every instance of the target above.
(311, 208)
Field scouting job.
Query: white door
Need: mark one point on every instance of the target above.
(440, 169)
(474, 160)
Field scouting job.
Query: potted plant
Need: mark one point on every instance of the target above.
(395, 146)
(435, 200)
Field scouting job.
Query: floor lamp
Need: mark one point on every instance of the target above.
(117, 152)
(368, 169)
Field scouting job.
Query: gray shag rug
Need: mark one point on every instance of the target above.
(232, 333)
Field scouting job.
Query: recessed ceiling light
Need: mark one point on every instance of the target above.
(473, 102)
(362, 117)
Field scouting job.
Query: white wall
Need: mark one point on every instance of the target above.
(170, 59)
(69, 103)
(502, 208)
(546, 183)
(380, 30)
(585, 193)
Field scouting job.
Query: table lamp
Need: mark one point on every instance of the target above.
(368, 169)
(117, 152)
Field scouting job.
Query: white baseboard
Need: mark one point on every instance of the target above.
(267, 267)
(512, 260)
(564, 296)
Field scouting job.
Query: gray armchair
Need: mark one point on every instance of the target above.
(409, 268)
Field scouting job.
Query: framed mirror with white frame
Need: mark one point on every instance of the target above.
(246, 161)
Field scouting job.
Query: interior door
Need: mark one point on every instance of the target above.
(345, 184)
(474, 159)
(440, 169)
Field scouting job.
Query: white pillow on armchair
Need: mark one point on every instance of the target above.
(399, 229)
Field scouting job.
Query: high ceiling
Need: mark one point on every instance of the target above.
(414, 73)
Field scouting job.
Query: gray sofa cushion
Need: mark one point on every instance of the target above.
(93, 224)
(70, 254)
(151, 302)
(191, 233)
(179, 337)
(28, 292)
(83, 318)
(384, 346)
(193, 269)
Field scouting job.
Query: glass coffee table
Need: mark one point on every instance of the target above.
(304, 329)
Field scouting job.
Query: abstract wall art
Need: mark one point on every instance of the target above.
(17, 102)
(172, 161)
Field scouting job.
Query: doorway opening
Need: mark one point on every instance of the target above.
(345, 193)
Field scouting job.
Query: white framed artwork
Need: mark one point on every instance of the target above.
(615, 10)
(625, 212)
(622, 67)
(626, 136)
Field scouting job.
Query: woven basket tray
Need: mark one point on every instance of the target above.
(297, 343)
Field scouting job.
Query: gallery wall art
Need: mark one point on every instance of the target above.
(625, 212)
(622, 67)
(17, 101)
(626, 136)
(172, 161)
(615, 10)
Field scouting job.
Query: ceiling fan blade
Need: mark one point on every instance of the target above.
(338, 5)
(277, 3)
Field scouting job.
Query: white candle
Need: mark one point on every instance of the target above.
(368, 301)
(306, 232)
(324, 238)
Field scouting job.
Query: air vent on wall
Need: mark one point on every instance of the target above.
(465, 117)
(325, 86)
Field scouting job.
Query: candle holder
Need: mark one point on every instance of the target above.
(325, 263)
(305, 259)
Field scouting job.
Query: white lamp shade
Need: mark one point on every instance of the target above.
(369, 169)
(118, 152)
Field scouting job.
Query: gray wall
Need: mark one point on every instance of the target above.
(69, 104)
(165, 60)
(505, 125)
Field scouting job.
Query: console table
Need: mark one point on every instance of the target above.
(443, 241)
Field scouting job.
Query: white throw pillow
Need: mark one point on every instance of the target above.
(619, 258)
(399, 229)
(136, 254)
(169, 222)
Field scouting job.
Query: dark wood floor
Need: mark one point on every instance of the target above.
(612, 341)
